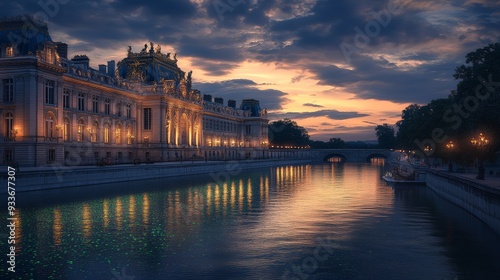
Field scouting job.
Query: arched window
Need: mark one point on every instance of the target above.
(49, 126)
(118, 134)
(66, 129)
(8, 124)
(94, 132)
(130, 136)
(80, 131)
(184, 130)
(106, 133)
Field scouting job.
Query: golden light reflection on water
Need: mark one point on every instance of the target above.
(86, 221)
(105, 213)
(131, 210)
(119, 214)
(57, 227)
(145, 209)
(310, 195)
(249, 193)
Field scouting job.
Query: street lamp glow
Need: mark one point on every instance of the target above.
(480, 144)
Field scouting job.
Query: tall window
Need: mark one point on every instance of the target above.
(50, 97)
(81, 101)
(66, 98)
(49, 126)
(119, 109)
(248, 129)
(9, 52)
(8, 121)
(107, 103)
(147, 118)
(8, 90)
(118, 134)
(128, 111)
(80, 131)
(66, 129)
(95, 104)
(94, 132)
(129, 135)
(106, 133)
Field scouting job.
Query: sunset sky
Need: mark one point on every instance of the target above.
(338, 68)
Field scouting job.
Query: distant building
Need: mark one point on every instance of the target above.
(57, 110)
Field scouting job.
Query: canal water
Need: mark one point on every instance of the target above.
(329, 221)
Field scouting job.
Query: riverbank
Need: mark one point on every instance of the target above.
(43, 178)
(480, 198)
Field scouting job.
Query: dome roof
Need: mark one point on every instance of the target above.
(26, 33)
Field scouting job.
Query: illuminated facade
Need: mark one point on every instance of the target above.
(57, 110)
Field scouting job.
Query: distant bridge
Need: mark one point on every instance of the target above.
(347, 155)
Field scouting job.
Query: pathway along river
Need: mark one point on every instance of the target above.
(330, 221)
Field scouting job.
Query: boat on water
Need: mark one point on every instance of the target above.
(403, 173)
(395, 179)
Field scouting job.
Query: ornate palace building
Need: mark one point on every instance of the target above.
(57, 110)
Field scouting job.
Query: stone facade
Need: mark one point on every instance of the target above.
(57, 110)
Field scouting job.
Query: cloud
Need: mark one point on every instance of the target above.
(313, 105)
(239, 89)
(331, 114)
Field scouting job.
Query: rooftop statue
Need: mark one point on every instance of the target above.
(158, 49)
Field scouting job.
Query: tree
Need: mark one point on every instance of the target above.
(287, 133)
(385, 136)
(336, 143)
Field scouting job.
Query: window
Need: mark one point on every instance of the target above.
(81, 101)
(50, 93)
(94, 132)
(66, 129)
(127, 107)
(107, 102)
(9, 52)
(106, 133)
(130, 137)
(119, 110)
(8, 155)
(80, 130)
(95, 104)
(49, 57)
(8, 121)
(248, 129)
(66, 98)
(8, 90)
(118, 134)
(51, 156)
(49, 126)
(147, 118)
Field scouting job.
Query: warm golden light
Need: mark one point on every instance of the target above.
(57, 227)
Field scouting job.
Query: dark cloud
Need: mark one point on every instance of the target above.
(244, 89)
(313, 105)
(331, 114)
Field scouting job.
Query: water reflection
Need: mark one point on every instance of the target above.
(57, 227)
(86, 221)
(255, 226)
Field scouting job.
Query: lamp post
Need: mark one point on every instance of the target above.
(427, 151)
(480, 144)
(450, 147)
